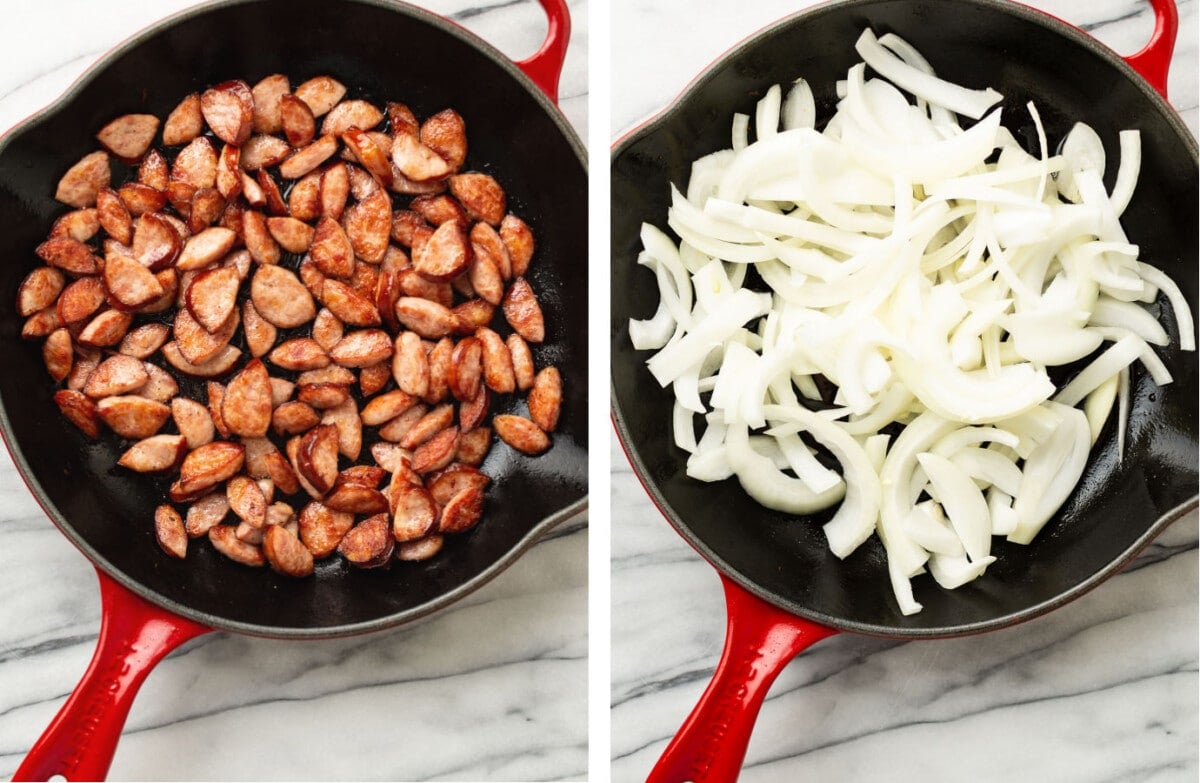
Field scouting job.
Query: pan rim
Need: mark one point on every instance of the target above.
(536, 533)
(651, 124)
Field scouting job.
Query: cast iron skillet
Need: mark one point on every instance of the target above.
(382, 49)
(784, 589)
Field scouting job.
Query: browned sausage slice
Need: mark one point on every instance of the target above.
(39, 290)
(267, 94)
(351, 114)
(184, 123)
(416, 512)
(247, 407)
(466, 369)
(523, 313)
(156, 243)
(196, 164)
(522, 359)
(445, 255)
(368, 226)
(281, 298)
(437, 452)
(211, 464)
(206, 513)
(410, 366)
(317, 458)
(114, 216)
(428, 319)
(304, 202)
(129, 136)
(284, 552)
(247, 501)
(356, 499)
(79, 186)
(386, 407)
(69, 255)
(335, 189)
(370, 543)
(481, 195)
(373, 378)
(218, 365)
(228, 109)
(350, 306)
(308, 158)
(116, 375)
(344, 418)
(193, 422)
(79, 410)
(545, 400)
(455, 478)
(327, 328)
(294, 417)
(131, 416)
(321, 93)
(462, 512)
(212, 296)
(416, 161)
(322, 528)
(473, 446)
(107, 328)
(130, 283)
(521, 433)
(224, 539)
(497, 362)
(169, 531)
(297, 120)
(197, 344)
(293, 235)
(144, 341)
(156, 454)
(446, 134)
(362, 348)
(260, 152)
(367, 152)
(299, 353)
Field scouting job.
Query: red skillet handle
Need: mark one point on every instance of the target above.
(545, 65)
(759, 641)
(1153, 61)
(134, 636)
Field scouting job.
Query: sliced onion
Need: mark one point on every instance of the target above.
(972, 103)
(930, 280)
(963, 502)
(767, 484)
(799, 108)
(1050, 474)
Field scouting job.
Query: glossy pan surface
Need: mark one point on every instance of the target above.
(1118, 507)
(382, 50)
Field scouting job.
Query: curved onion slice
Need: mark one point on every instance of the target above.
(767, 484)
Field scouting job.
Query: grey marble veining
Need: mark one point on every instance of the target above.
(493, 688)
(1103, 690)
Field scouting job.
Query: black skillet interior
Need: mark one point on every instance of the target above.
(386, 52)
(1116, 508)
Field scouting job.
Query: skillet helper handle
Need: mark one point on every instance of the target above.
(134, 636)
(1154, 60)
(760, 639)
(545, 65)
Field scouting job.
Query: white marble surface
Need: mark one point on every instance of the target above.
(494, 688)
(1103, 690)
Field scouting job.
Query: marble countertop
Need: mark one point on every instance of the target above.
(493, 688)
(1104, 689)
